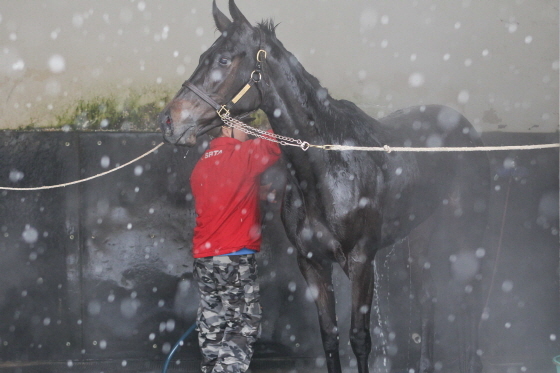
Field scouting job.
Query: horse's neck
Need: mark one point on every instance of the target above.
(295, 111)
(292, 104)
(292, 112)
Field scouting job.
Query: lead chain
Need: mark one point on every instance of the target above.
(261, 134)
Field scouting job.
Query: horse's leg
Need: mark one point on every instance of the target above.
(318, 275)
(360, 270)
(423, 287)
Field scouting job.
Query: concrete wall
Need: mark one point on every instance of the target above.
(496, 61)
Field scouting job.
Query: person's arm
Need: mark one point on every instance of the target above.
(259, 154)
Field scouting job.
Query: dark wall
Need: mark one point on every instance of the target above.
(102, 270)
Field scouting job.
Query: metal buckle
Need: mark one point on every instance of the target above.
(259, 55)
(223, 112)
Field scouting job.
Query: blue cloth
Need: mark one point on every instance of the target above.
(243, 251)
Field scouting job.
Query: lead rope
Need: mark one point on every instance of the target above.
(304, 145)
(88, 178)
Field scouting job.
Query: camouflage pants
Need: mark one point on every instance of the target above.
(229, 313)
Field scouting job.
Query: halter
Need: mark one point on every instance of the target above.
(224, 110)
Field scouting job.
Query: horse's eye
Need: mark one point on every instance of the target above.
(224, 61)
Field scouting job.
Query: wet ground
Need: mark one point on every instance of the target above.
(258, 366)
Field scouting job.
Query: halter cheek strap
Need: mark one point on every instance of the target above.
(200, 93)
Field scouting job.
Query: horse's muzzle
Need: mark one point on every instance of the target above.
(175, 133)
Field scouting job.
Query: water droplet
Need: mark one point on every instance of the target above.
(166, 348)
(16, 176)
(292, 286)
(509, 163)
(416, 79)
(463, 97)
(507, 286)
(105, 161)
(170, 325)
(30, 234)
(57, 64)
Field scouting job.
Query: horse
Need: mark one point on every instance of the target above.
(344, 206)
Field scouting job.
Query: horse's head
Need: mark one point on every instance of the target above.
(223, 72)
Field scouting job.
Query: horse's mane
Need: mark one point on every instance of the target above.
(268, 26)
(340, 110)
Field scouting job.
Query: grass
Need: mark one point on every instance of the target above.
(136, 111)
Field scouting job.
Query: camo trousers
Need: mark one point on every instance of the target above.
(229, 313)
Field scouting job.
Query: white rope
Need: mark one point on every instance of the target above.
(283, 140)
(89, 178)
(390, 149)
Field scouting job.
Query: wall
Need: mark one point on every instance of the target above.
(98, 275)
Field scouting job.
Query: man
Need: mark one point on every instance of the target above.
(225, 185)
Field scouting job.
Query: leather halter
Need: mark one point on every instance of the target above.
(224, 110)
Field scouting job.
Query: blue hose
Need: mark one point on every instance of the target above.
(176, 347)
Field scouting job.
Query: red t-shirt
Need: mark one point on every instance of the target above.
(225, 185)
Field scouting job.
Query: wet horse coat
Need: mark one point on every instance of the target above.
(344, 206)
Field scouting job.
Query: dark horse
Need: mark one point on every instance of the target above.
(344, 206)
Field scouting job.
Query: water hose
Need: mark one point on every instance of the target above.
(176, 347)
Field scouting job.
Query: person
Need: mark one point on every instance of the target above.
(225, 186)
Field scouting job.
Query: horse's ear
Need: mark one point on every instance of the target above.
(236, 14)
(222, 22)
